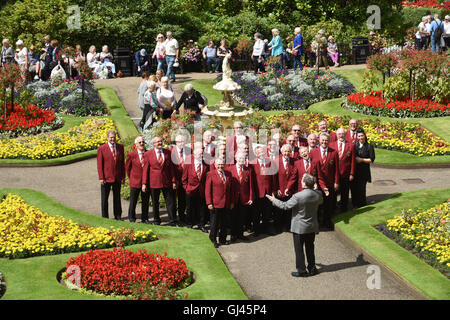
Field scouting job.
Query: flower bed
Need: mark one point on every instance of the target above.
(439, 4)
(290, 91)
(27, 120)
(400, 136)
(426, 232)
(374, 104)
(120, 271)
(66, 97)
(87, 136)
(26, 231)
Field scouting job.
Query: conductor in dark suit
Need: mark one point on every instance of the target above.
(304, 224)
(111, 173)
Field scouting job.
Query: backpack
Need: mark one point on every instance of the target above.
(438, 32)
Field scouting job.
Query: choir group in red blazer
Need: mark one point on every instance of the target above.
(204, 184)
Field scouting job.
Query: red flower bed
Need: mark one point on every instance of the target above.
(25, 118)
(439, 4)
(117, 271)
(374, 104)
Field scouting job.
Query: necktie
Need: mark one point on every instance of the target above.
(199, 171)
(141, 159)
(113, 149)
(324, 156)
(307, 166)
(181, 157)
(340, 149)
(221, 176)
(161, 159)
(240, 173)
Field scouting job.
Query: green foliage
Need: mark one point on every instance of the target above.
(370, 81)
(440, 89)
(331, 27)
(397, 87)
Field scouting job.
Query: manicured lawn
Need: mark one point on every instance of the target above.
(359, 224)
(122, 121)
(35, 278)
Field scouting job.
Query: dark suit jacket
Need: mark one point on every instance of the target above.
(108, 169)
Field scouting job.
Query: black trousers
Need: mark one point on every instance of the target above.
(166, 114)
(196, 210)
(258, 66)
(326, 210)
(306, 240)
(147, 109)
(282, 218)
(358, 188)
(117, 205)
(344, 188)
(181, 204)
(238, 217)
(262, 211)
(134, 196)
(218, 225)
(169, 197)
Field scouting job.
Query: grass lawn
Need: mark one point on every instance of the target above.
(122, 121)
(358, 226)
(35, 278)
(439, 126)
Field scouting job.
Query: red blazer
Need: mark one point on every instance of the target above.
(244, 186)
(108, 169)
(347, 162)
(209, 156)
(232, 145)
(301, 170)
(264, 178)
(177, 163)
(296, 154)
(134, 169)
(328, 169)
(191, 183)
(285, 180)
(217, 193)
(348, 136)
(156, 176)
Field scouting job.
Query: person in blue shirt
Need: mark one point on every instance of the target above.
(298, 46)
(35, 64)
(142, 61)
(210, 55)
(435, 25)
(276, 46)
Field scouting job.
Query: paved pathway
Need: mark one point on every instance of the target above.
(262, 267)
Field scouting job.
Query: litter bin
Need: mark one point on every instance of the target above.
(123, 61)
(360, 49)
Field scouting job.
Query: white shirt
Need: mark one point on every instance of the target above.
(159, 50)
(21, 56)
(112, 147)
(182, 152)
(428, 27)
(307, 162)
(447, 28)
(421, 26)
(159, 153)
(285, 163)
(89, 56)
(166, 98)
(141, 155)
(171, 47)
(196, 164)
(258, 48)
(321, 152)
(342, 143)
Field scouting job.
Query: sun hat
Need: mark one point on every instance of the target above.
(19, 43)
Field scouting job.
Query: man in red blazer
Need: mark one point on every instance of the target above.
(111, 173)
(290, 140)
(328, 167)
(159, 176)
(180, 155)
(299, 140)
(209, 147)
(313, 142)
(347, 165)
(234, 141)
(323, 127)
(264, 171)
(243, 181)
(273, 150)
(305, 165)
(194, 179)
(133, 167)
(351, 134)
(284, 184)
(219, 198)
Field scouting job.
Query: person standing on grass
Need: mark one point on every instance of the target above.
(304, 224)
(111, 173)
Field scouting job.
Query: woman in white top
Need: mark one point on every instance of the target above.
(258, 53)
(92, 58)
(160, 52)
(22, 58)
(107, 58)
(446, 34)
(166, 98)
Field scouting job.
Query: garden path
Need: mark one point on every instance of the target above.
(262, 267)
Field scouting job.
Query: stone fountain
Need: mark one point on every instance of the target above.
(228, 110)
